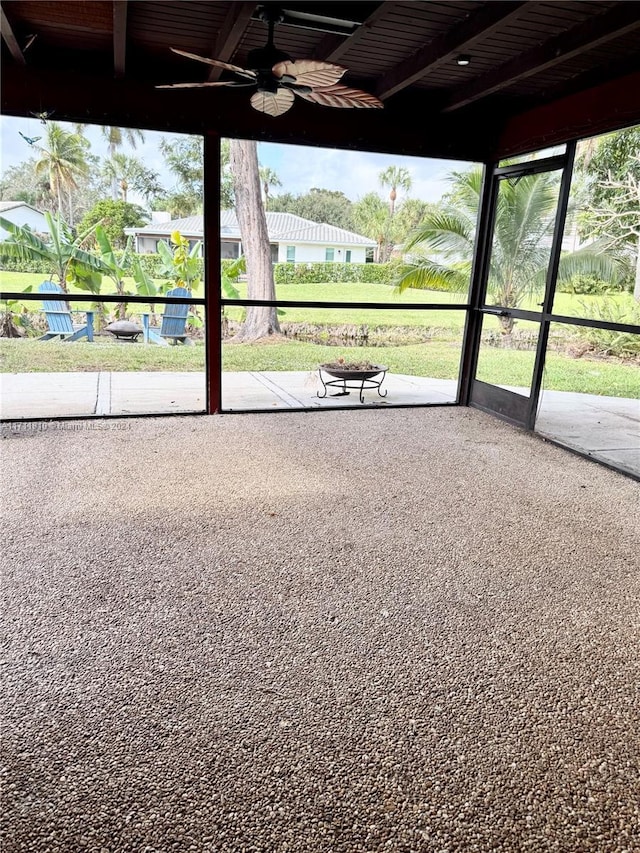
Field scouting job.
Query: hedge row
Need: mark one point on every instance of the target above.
(316, 273)
(152, 264)
(14, 265)
(319, 273)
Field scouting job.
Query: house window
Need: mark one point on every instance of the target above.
(229, 250)
(274, 252)
(329, 254)
(347, 256)
(291, 254)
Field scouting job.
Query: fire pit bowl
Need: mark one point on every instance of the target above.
(357, 373)
(363, 376)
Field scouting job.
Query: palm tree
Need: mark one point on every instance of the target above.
(131, 173)
(62, 159)
(370, 217)
(442, 245)
(116, 137)
(268, 179)
(394, 177)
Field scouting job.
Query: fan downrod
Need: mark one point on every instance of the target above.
(262, 59)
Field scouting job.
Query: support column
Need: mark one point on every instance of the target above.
(212, 285)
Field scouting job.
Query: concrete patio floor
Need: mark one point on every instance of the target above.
(264, 634)
(607, 428)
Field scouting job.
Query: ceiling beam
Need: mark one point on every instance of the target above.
(119, 36)
(441, 49)
(10, 39)
(230, 35)
(332, 48)
(603, 108)
(596, 30)
(133, 103)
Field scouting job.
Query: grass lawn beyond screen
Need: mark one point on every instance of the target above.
(438, 357)
(565, 303)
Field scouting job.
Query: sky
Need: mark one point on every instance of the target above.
(298, 167)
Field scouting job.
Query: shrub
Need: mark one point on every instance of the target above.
(587, 284)
(114, 216)
(607, 341)
(17, 265)
(319, 273)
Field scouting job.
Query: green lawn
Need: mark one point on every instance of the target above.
(565, 303)
(437, 359)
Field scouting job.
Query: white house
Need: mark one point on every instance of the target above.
(21, 213)
(292, 238)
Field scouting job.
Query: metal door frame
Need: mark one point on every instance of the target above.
(501, 402)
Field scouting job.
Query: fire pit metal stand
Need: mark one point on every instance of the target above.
(359, 380)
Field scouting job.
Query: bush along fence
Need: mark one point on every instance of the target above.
(321, 273)
(151, 264)
(312, 273)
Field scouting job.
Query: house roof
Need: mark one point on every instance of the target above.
(280, 226)
(9, 205)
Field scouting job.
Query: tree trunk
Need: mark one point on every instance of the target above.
(507, 325)
(260, 321)
(114, 175)
(636, 289)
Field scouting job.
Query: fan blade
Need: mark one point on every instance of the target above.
(273, 104)
(232, 83)
(342, 96)
(217, 62)
(309, 72)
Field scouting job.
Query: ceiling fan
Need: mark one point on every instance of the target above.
(277, 78)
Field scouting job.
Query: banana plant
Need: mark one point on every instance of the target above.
(183, 268)
(182, 265)
(61, 251)
(229, 275)
(145, 285)
(115, 268)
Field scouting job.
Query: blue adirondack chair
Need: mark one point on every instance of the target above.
(59, 317)
(174, 321)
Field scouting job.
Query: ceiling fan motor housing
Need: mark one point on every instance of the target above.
(262, 59)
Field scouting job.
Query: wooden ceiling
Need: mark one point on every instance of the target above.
(538, 71)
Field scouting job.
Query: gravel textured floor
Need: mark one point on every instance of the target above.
(409, 630)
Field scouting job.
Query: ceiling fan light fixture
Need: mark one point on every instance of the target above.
(463, 59)
(277, 78)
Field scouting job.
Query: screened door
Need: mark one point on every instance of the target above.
(518, 266)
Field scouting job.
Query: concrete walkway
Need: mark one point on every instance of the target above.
(607, 428)
(38, 395)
